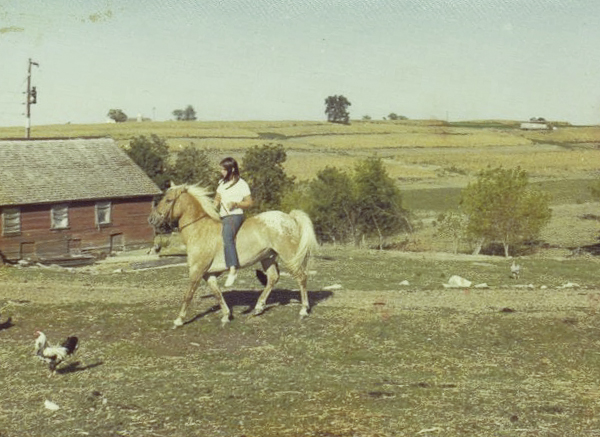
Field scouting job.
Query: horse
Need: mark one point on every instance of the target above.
(268, 238)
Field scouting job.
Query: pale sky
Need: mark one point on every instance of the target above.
(280, 59)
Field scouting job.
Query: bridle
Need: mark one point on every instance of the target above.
(168, 217)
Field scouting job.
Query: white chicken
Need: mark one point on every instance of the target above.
(54, 355)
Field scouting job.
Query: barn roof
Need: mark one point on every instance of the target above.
(50, 171)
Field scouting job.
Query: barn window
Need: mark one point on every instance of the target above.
(11, 221)
(60, 216)
(103, 216)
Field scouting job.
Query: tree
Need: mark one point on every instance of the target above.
(262, 168)
(379, 201)
(500, 206)
(117, 115)
(187, 114)
(192, 166)
(151, 155)
(393, 116)
(336, 109)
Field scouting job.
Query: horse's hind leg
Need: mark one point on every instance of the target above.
(301, 277)
(272, 271)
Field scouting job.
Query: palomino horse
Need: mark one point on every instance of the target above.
(266, 237)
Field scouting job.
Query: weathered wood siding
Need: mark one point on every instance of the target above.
(128, 229)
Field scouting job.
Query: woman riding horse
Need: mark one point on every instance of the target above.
(267, 238)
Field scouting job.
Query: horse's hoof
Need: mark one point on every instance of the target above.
(258, 311)
(225, 319)
(177, 323)
(303, 313)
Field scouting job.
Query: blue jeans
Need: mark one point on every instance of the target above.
(231, 224)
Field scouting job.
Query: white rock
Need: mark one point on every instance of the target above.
(482, 285)
(570, 285)
(456, 281)
(333, 287)
(51, 405)
(405, 282)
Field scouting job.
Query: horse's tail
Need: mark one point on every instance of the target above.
(307, 245)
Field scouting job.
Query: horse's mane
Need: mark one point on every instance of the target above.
(202, 195)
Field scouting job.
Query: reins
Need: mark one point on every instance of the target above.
(190, 223)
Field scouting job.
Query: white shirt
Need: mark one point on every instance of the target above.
(232, 193)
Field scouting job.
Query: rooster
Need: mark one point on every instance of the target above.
(54, 355)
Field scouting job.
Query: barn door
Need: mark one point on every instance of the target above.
(117, 243)
(75, 246)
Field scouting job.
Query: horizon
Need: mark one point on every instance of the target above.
(277, 60)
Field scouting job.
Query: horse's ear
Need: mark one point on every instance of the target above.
(184, 189)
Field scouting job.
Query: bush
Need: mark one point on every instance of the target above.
(262, 168)
(332, 205)
(379, 201)
(151, 155)
(192, 166)
(352, 207)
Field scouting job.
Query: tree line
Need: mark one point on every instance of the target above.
(336, 108)
(499, 207)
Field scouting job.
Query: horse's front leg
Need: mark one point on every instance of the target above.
(187, 299)
(212, 283)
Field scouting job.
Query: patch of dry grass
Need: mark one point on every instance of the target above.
(373, 359)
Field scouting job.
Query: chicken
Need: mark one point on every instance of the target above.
(54, 355)
(7, 324)
(515, 269)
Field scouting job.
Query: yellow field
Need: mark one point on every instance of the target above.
(413, 150)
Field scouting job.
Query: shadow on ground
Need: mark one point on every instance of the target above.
(248, 299)
(75, 366)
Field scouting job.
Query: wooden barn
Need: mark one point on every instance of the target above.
(67, 199)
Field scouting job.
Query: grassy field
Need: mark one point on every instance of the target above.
(375, 358)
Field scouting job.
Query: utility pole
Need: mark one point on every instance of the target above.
(31, 98)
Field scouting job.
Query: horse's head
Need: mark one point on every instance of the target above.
(166, 213)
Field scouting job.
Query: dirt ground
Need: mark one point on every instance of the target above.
(386, 351)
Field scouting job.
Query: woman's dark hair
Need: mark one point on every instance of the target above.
(233, 171)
